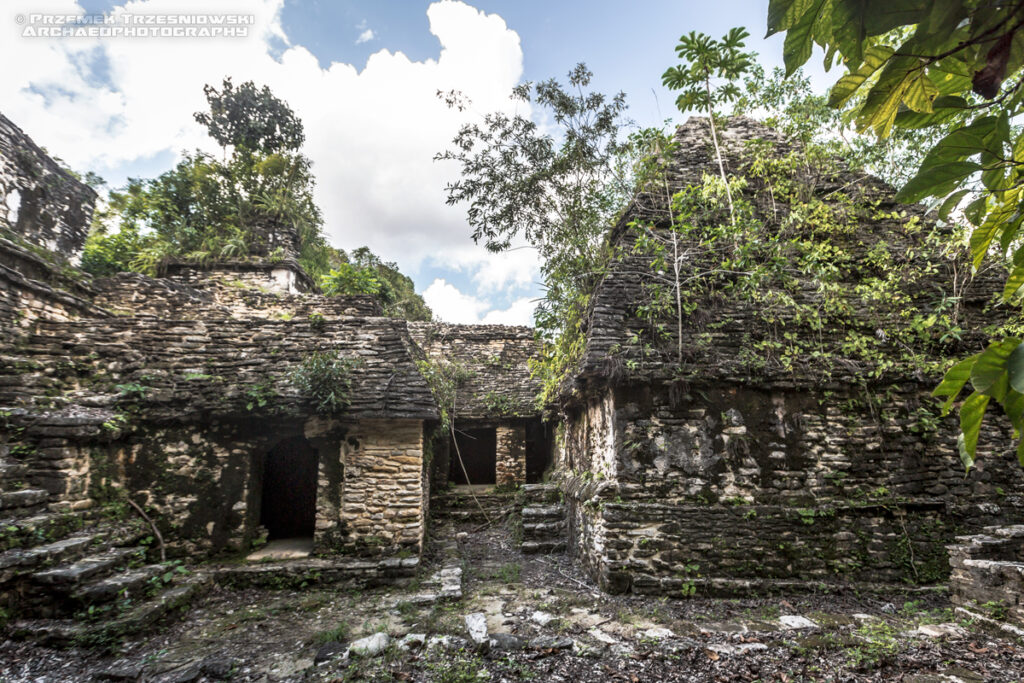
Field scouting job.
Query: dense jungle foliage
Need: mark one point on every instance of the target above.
(256, 202)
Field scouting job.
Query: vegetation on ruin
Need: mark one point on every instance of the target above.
(206, 209)
(243, 206)
(953, 68)
(444, 378)
(557, 193)
(325, 378)
(363, 272)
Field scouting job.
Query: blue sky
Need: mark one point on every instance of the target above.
(362, 74)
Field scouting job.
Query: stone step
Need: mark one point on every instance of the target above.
(543, 530)
(542, 547)
(68, 576)
(131, 584)
(21, 532)
(105, 633)
(23, 498)
(539, 494)
(72, 546)
(543, 513)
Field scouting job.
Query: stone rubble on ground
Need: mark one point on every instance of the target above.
(796, 622)
(370, 646)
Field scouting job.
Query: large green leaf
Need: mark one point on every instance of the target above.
(938, 181)
(965, 142)
(951, 202)
(944, 108)
(988, 376)
(972, 412)
(953, 382)
(921, 93)
(800, 37)
(1013, 404)
(1013, 283)
(784, 14)
(846, 87)
(1015, 371)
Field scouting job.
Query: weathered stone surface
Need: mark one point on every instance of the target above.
(370, 646)
(476, 626)
(40, 201)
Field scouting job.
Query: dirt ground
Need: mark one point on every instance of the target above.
(544, 622)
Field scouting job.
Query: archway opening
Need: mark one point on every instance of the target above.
(288, 503)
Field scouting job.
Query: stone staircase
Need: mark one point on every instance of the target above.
(70, 575)
(458, 504)
(543, 517)
(987, 579)
(69, 580)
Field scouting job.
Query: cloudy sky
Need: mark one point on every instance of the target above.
(363, 76)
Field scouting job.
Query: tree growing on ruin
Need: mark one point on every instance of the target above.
(708, 78)
(204, 209)
(558, 191)
(250, 118)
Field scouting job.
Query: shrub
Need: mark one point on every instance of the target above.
(326, 379)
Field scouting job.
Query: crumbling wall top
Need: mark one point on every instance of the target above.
(40, 202)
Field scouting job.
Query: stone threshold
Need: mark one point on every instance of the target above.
(299, 573)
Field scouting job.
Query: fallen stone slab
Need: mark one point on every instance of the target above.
(551, 643)
(447, 643)
(412, 641)
(795, 621)
(738, 649)
(542, 618)
(119, 671)
(657, 633)
(476, 625)
(370, 646)
(941, 631)
(506, 642)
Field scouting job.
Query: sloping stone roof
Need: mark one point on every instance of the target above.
(498, 360)
(188, 370)
(719, 337)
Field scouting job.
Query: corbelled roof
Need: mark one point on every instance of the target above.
(497, 361)
(736, 338)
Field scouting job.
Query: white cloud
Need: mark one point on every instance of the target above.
(517, 268)
(453, 306)
(371, 134)
(519, 313)
(365, 37)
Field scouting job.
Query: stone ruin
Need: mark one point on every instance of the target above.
(174, 395)
(731, 474)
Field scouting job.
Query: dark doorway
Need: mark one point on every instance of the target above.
(288, 505)
(538, 450)
(478, 449)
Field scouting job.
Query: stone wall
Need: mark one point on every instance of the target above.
(281, 277)
(173, 299)
(39, 201)
(733, 487)
(987, 580)
(382, 504)
(35, 286)
(204, 483)
(496, 358)
(510, 456)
